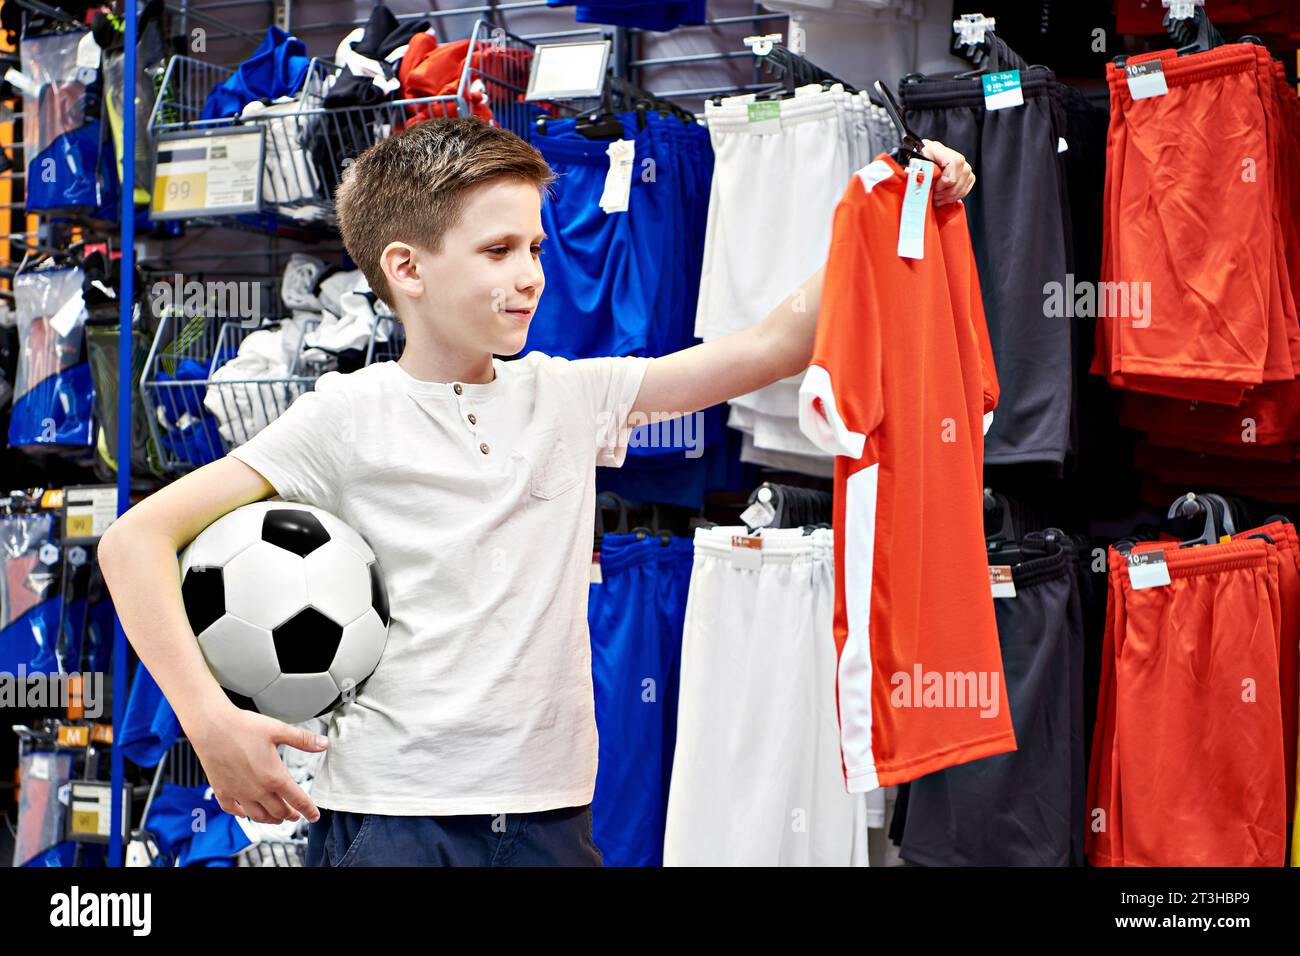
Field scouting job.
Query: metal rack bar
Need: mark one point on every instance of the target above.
(125, 374)
(755, 20)
(689, 58)
(487, 8)
(198, 13)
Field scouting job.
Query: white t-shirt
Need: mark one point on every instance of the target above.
(479, 502)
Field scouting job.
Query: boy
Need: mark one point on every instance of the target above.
(473, 480)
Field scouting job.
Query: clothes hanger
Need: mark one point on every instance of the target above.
(988, 62)
(996, 503)
(774, 497)
(911, 146)
(1195, 34)
(1191, 506)
(642, 531)
(1223, 511)
(602, 123)
(605, 501)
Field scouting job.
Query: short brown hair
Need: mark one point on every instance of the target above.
(411, 187)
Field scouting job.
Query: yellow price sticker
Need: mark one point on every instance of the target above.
(81, 526)
(85, 821)
(176, 193)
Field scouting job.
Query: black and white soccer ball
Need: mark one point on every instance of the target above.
(289, 607)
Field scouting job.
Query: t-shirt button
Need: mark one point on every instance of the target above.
(472, 419)
(456, 388)
(484, 448)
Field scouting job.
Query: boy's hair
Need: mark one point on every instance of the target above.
(411, 187)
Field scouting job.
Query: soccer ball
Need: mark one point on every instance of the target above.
(289, 607)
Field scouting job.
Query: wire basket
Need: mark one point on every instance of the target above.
(196, 418)
(309, 145)
(197, 410)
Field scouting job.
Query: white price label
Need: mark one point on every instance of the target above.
(1147, 569)
(1146, 80)
(1001, 581)
(207, 175)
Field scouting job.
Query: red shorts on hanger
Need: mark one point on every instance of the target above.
(1216, 317)
(1188, 756)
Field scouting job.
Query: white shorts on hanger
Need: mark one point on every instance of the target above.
(821, 467)
(757, 776)
(776, 182)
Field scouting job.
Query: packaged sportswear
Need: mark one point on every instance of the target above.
(900, 383)
(62, 133)
(41, 814)
(756, 773)
(31, 604)
(54, 396)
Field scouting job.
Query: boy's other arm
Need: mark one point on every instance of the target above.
(703, 375)
(138, 557)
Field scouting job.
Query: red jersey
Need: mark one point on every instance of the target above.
(901, 389)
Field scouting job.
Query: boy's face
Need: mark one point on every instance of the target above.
(482, 289)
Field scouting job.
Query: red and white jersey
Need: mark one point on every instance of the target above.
(901, 389)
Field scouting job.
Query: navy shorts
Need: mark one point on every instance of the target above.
(547, 838)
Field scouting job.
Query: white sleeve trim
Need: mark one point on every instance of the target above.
(825, 428)
(988, 422)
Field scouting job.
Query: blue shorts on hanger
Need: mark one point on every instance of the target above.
(635, 616)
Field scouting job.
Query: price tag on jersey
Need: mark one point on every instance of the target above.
(1147, 569)
(746, 552)
(596, 576)
(212, 172)
(1003, 90)
(1146, 80)
(1001, 581)
(916, 201)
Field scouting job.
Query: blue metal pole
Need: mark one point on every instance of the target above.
(125, 388)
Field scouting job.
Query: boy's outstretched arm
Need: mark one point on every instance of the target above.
(779, 346)
(712, 372)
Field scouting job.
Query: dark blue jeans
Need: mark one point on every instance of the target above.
(546, 838)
